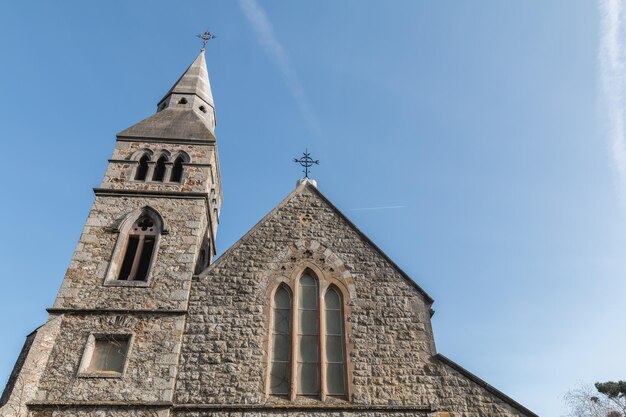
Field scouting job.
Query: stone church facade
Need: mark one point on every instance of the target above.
(303, 316)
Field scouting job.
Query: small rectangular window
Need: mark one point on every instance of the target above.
(105, 355)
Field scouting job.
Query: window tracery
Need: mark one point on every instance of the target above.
(136, 249)
(307, 352)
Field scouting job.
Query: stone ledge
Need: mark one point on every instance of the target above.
(113, 311)
(98, 404)
(161, 140)
(150, 193)
(290, 407)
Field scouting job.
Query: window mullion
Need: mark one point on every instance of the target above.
(138, 252)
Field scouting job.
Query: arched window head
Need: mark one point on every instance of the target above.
(139, 249)
(334, 343)
(308, 340)
(159, 169)
(280, 372)
(177, 170)
(142, 168)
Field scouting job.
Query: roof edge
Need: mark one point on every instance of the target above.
(419, 289)
(372, 244)
(248, 233)
(490, 388)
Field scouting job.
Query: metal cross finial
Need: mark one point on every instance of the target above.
(206, 36)
(307, 162)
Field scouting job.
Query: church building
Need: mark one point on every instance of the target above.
(303, 316)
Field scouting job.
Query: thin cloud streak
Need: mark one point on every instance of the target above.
(263, 28)
(377, 208)
(612, 74)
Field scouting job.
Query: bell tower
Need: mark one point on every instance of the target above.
(115, 330)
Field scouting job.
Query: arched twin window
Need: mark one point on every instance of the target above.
(139, 251)
(308, 341)
(162, 169)
(136, 248)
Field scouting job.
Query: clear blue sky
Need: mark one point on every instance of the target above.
(481, 120)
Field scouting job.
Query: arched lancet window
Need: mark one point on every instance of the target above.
(280, 371)
(177, 170)
(159, 169)
(142, 168)
(139, 250)
(313, 328)
(308, 341)
(334, 344)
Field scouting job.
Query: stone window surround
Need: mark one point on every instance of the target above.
(119, 250)
(154, 157)
(88, 352)
(324, 284)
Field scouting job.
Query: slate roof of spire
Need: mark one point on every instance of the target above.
(195, 80)
(180, 123)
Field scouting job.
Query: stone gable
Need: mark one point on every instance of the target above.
(391, 354)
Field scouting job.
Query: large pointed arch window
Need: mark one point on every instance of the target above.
(334, 345)
(280, 372)
(312, 327)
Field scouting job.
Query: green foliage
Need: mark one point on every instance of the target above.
(612, 389)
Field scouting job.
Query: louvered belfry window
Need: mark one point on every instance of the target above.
(307, 353)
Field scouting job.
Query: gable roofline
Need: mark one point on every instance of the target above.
(406, 276)
(490, 388)
(363, 236)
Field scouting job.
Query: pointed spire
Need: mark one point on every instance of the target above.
(195, 80)
(187, 110)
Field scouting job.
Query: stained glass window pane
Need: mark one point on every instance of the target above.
(279, 378)
(308, 322)
(332, 300)
(335, 379)
(334, 349)
(333, 322)
(308, 349)
(282, 321)
(282, 347)
(308, 379)
(282, 299)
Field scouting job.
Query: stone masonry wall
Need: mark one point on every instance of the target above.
(151, 363)
(197, 178)
(390, 342)
(83, 287)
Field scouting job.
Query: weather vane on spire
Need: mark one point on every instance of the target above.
(206, 36)
(307, 162)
